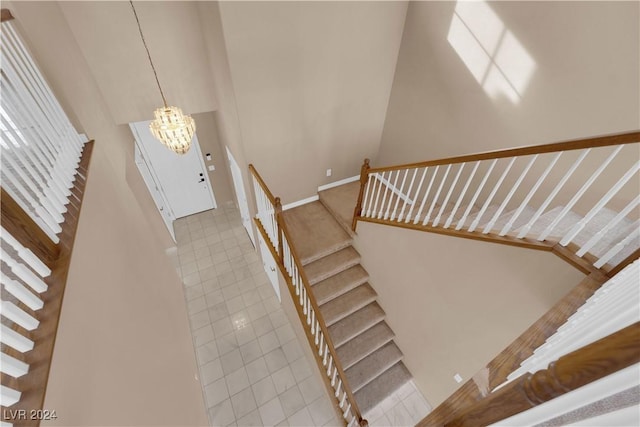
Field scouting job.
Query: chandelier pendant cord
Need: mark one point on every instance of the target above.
(164, 100)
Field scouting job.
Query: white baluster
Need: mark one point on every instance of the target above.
(37, 154)
(375, 204)
(21, 293)
(386, 190)
(604, 230)
(23, 202)
(18, 316)
(579, 194)
(475, 196)
(346, 411)
(330, 365)
(394, 189)
(320, 346)
(553, 194)
(25, 195)
(446, 200)
(601, 203)
(27, 256)
(447, 224)
(25, 115)
(526, 200)
(333, 378)
(415, 198)
(54, 211)
(407, 200)
(476, 221)
(395, 208)
(9, 396)
(339, 387)
(426, 195)
(15, 340)
(512, 191)
(618, 247)
(37, 116)
(435, 198)
(24, 273)
(12, 366)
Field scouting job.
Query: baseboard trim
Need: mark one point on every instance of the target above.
(300, 202)
(339, 183)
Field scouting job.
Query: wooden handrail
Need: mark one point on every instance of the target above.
(574, 370)
(255, 173)
(33, 385)
(5, 15)
(314, 304)
(577, 144)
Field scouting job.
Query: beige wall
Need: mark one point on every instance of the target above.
(312, 82)
(210, 143)
(454, 303)
(110, 43)
(226, 117)
(123, 353)
(583, 82)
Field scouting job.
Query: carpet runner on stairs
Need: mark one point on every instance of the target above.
(363, 340)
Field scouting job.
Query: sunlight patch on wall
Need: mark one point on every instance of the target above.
(493, 55)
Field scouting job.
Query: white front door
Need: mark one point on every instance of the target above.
(269, 265)
(238, 185)
(183, 178)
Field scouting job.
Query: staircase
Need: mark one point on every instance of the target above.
(544, 197)
(364, 342)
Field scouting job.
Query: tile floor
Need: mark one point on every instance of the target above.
(251, 363)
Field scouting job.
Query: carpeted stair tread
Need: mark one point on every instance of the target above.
(341, 202)
(314, 232)
(339, 284)
(364, 344)
(339, 308)
(356, 323)
(332, 264)
(366, 370)
(378, 389)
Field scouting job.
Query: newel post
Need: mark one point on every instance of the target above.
(364, 177)
(278, 211)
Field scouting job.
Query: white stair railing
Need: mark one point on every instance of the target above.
(520, 195)
(40, 158)
(267, 207)
(611, 308)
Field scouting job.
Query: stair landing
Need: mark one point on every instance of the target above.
(315, 232)
(341, 201)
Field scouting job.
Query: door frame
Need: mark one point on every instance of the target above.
(238, 186)
(155, 188)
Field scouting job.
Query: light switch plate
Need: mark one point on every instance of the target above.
(212, 168)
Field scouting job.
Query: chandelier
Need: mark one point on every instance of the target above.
(170, 126)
